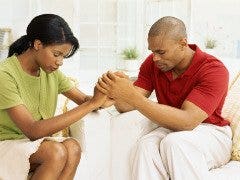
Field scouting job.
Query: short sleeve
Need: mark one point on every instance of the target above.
(211, 88)
(144, 79)
(64, 83)
(9, 93)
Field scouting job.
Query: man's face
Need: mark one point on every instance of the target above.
(167, 53)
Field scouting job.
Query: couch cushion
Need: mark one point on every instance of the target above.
(231, 111)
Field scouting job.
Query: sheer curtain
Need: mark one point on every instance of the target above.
(103, 27)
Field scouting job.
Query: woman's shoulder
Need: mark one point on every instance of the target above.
(9, 70)
(8, 64)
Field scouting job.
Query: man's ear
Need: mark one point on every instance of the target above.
(183, 42)
(37, 44)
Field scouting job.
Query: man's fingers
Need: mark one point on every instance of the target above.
(111, 75)
(102, 90)
(121, 74)
(106, 79)
(102, 83)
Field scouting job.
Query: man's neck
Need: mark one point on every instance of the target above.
(185, 63)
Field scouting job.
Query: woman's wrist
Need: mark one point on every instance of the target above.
(93, 105)
(87, 98)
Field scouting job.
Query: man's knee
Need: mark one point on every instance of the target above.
(175, 141)
(148, 144)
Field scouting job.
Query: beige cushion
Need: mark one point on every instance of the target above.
(231, 111)
(62, 107)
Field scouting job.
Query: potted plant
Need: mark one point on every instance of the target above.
(210, 43)
(130, 57)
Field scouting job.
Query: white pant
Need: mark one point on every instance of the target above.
(184, 155)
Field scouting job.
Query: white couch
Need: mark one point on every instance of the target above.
(127, 129)
(108, 139)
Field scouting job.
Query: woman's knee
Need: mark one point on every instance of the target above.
(73, 148)
(54, 152)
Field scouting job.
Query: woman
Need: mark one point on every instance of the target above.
(30, 83)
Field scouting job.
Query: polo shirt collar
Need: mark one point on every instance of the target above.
(198, 57)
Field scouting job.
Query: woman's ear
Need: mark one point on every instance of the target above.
(37, 44)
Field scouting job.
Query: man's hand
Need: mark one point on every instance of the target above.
(121, 75)
(116, 86)
(109, 102)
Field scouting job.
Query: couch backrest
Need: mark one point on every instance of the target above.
(231, 111)
(231, 108)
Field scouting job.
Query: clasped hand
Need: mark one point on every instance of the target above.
(116, 85)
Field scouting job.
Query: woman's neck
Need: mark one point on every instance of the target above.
(28, 63)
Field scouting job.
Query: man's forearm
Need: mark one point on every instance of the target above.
(166, 116)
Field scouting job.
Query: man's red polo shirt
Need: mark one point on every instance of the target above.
(204, 83)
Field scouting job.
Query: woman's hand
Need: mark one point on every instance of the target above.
(87, 98)
(98, 98)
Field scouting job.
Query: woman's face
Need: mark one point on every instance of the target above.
(50, 57)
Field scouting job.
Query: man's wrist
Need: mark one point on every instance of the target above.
(135, 99)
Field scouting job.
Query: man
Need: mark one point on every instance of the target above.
(190, 86)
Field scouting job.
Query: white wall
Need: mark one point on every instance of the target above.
(105, 27)
(218, 19)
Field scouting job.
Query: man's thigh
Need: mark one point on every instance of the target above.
(155, 136)
(212, 141)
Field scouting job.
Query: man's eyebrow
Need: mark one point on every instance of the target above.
(159, 51)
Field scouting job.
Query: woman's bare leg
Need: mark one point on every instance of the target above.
(49, 161)
(74, 154)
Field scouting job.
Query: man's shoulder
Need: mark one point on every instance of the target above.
(212, 67)
(148, 62)
(214, 62)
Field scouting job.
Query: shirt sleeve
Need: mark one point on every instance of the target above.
(144, 79)
(9, 93)
(64, 83)
(211, 88)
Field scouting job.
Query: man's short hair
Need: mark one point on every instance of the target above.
(170, 26)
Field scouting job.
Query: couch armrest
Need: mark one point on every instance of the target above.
(93, 133)
(126, 129)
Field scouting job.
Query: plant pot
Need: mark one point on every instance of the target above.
(210, 51)
(131, 64)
